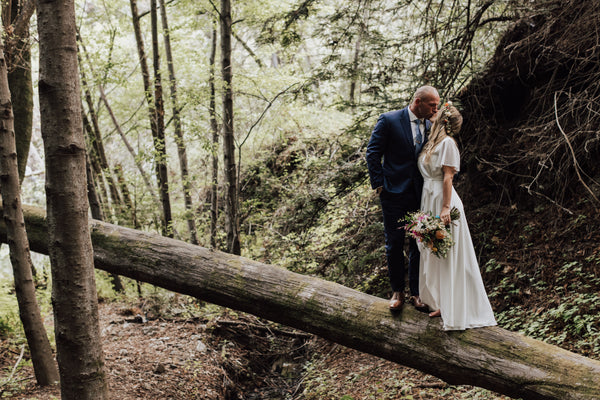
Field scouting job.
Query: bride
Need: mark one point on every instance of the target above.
(452, 287)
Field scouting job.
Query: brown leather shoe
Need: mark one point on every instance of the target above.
(397, 301)
(417, 302)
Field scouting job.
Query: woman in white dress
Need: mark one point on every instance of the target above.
(452, 287)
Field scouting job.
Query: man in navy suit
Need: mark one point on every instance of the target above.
(392, 153)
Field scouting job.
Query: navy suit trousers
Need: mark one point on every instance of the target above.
(395, 207)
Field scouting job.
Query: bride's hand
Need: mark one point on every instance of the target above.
(445, 215)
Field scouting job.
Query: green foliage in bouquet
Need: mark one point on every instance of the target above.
(431, 231)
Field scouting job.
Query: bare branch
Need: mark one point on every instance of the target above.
(575, 163)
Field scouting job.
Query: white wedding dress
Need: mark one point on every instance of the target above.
(452, 285)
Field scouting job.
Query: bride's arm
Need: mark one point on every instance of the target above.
(447, 193)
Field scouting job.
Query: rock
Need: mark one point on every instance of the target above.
(160, 369)
(201, 347)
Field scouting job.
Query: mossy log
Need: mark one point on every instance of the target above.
(492, 358)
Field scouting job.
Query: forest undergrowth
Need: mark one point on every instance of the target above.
(168, 346)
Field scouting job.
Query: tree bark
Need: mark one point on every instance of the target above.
(233, 219)
(214, 127)
(127, 200)
(179, 140)
(97, 150)
(493, 358)
(18, 57)
(96, 168)
(17, 54)
(354, 77)
(74, 299)
(160, 144)
(160, 157)
(96, 211)
(93, 198)
(42, 358)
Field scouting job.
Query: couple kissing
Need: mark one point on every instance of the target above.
(412, 159)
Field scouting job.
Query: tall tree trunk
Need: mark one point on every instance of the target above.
(97, 145)
(17, 53)
(94, 160)
(355, 81)
(96, 211)
(160, 145)
(93, 198)
(179, 140)
(214, 126)
(97, 149)
(119, 130)
(74, 298)
(233, 218)
(44, 366)
(160, 158)
(128, 202)
(18, 58)
(491, 357)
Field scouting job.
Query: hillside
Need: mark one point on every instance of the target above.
(532, 214)
(529, 184)
(530, 145)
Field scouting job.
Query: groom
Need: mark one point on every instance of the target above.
(392, 156)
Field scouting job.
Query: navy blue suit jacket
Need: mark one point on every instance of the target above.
(391, 155)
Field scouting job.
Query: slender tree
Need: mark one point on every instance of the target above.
(93, 197)
(15, 16)
(119, 130)
(44, 365)
(74, 298)
(95, 164)
(127, 202)
(179, 139)
(160, 144)
(214, 125)
(97, 144)
(96, 211)
(233, 219)
(160, 157)
(15, 135)
(354, 72)
(94, 161)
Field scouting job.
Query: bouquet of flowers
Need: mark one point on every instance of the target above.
(431, 231)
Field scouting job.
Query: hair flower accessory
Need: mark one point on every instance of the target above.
(446, 114)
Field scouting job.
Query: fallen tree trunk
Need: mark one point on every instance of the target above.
(492, 358)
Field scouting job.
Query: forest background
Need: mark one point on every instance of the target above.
(309, 80)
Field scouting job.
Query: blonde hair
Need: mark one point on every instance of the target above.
(448, 122)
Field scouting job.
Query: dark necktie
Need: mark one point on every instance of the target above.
(419, 138)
